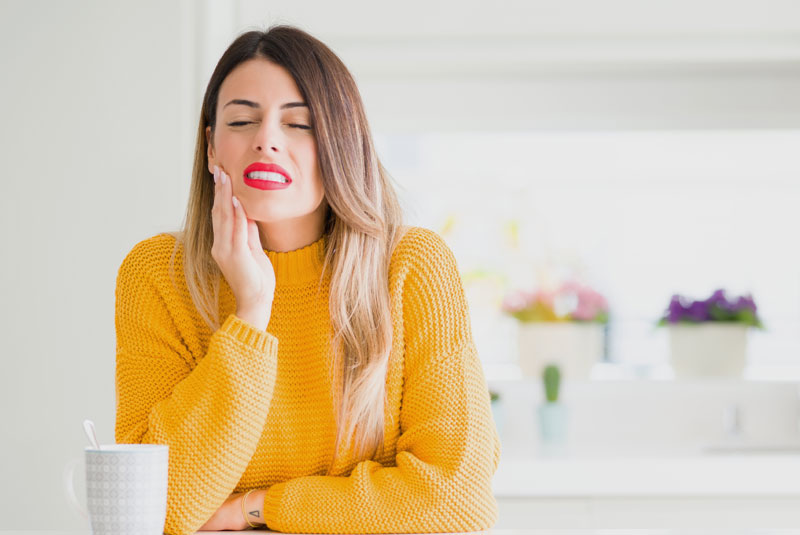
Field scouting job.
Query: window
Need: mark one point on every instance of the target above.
(640, 215)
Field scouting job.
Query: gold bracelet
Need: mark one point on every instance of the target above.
(243, 511)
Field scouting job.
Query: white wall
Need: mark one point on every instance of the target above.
(95, 154)
(455, 65)
(100, 104)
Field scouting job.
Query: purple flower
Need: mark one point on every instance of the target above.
(675, 311)
(697, 311)
(745, 302)
(718, 307)
(718, 298)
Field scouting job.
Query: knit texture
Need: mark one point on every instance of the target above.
(242, 408)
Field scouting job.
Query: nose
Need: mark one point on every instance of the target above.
(268, 138)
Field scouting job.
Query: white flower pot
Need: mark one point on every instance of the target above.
(553, 429)
(552, 422)
(708, 349)
(498, 414)
(573, 346)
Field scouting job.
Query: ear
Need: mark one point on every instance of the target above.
(212, 159)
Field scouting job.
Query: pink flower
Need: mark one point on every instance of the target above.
(515, 301)
(545, 297)
(589, 304)
(571, 301)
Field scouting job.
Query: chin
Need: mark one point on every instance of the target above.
(271, 218)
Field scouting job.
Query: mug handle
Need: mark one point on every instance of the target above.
(69, 488)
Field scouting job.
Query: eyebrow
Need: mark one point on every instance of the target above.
(256, 105)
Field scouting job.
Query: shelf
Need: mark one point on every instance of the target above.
(729, 475)
(611, 372)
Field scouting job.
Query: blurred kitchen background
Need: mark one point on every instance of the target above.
(585, 161)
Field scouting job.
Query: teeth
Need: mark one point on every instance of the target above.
(267, 175)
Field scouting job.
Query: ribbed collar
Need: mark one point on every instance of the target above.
(301, 265)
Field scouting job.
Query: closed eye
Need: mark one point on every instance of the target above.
(242, 123)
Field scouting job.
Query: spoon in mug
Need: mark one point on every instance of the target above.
(88, 427)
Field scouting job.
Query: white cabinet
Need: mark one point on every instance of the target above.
(725, 491)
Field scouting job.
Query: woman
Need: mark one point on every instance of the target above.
(308, 360)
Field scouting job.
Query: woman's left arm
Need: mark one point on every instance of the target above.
(231, 514)
(448, 449)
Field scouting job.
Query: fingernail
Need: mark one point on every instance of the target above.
(216, 174)
(235, 202)
(224, 177)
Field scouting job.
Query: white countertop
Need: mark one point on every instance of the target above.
(709, 475)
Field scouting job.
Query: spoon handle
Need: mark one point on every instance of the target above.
(88, 427)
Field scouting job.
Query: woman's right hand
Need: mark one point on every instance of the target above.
(237, 250)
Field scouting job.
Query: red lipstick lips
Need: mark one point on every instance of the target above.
(265, 183)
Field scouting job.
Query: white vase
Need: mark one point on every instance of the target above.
(553, 429)
(711, 349)
(573, 346)
(552, 422)
(498, 416)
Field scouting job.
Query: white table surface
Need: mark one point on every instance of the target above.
(689, 476)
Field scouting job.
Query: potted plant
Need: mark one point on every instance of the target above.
(565, 326)
(708, 338)
(552, 413)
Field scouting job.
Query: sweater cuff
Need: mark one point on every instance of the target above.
(272, 502)
(249, 335)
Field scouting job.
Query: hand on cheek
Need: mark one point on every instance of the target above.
(237, 250)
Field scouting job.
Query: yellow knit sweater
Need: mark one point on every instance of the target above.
(243, 408)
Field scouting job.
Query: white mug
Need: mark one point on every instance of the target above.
(126, 488)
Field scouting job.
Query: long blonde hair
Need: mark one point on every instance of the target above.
(363, 225)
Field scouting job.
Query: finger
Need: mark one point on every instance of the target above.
(226, 214)
(215, 204)
(239, 225)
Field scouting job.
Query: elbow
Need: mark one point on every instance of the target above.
(467, 497)
(465, 506)
(473, 512)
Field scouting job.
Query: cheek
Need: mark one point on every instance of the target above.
(224, 146)
(306, 157)
(228, 146)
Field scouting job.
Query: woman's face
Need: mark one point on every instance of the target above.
(263, 119)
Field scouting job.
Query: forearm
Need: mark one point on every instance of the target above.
(258, 317)
(254, 507)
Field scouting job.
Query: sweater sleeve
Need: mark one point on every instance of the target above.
(210, 414)
(448, 449)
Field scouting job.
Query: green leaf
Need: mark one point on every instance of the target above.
(746, 316)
